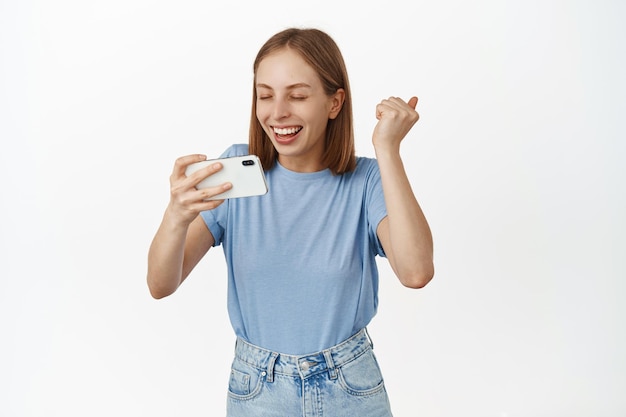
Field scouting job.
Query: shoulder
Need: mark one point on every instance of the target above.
(237, 149)
(365, 161)
(365, 175)
(366, 166)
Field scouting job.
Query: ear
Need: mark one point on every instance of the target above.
(336, 103)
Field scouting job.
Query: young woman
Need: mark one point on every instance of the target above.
(302, 276)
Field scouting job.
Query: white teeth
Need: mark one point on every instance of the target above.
(287, 131)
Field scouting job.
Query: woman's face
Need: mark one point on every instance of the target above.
(294, 110)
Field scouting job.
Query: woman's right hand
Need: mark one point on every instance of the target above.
(186, 202)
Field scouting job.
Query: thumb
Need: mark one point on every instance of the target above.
(413, 102)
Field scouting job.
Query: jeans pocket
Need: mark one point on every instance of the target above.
(362, 376)
(245, 381)
(239, 382)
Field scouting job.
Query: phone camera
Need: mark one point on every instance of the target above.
(248, 162)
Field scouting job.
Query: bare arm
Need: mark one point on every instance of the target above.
(182, 238)
(404, 233)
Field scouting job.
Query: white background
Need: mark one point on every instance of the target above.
(517, 160)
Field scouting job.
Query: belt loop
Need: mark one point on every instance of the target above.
(368, 337)
(331, 365)
(270, 367)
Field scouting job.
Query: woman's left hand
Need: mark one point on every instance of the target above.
(395, 118)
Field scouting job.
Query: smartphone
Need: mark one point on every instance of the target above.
(245, 173)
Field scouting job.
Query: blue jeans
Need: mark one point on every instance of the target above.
(343, 381)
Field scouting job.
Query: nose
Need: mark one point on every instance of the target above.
(280, 109)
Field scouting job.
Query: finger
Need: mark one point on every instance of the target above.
(384, 106)
(203, 172)
(205, 194)
(379, 111)
(208, 205)
(194, 198)
(181, 163)
(401, 103)
(407, 106)
(391, 105)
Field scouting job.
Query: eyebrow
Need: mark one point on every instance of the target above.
(289, 87)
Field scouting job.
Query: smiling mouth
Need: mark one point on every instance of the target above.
(286, 134)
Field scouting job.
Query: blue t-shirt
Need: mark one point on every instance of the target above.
(302, 273)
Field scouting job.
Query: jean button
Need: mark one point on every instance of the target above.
(304, 366)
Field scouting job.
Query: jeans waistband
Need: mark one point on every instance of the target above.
(305, 365)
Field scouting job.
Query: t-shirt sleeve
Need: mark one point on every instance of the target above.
(375, 205)
(216, 219)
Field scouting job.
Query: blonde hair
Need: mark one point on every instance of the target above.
(321, 52)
